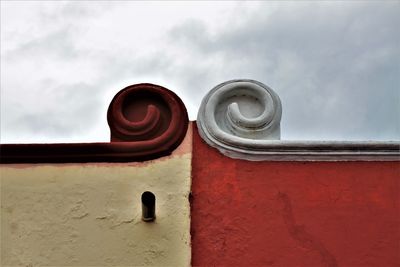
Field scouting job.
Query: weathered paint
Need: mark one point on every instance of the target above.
(90, 214)
(247, 213)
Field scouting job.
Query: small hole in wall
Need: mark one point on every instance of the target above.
(148, 206)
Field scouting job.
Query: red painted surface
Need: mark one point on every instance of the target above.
(147, 121)
(293, 213)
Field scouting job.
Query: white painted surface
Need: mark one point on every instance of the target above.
(320, 151)
(241, 118)
(239, 115)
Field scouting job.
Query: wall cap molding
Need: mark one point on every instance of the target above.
(240, 115)
(255, 136)
(147, 121)
(319, 151)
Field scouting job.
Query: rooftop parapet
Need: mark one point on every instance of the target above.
(241, 118)
(147, 121)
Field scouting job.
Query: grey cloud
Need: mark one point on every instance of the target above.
(57, 28)
(58, 112)
(72, 12)
(334, 66)
(58, 44)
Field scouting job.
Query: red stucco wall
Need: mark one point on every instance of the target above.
(293, 213)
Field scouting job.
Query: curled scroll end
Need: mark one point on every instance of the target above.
(240, 116)
(149, 114)
(237, 119)
(147, 121)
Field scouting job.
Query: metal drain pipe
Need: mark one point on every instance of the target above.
(148, 206)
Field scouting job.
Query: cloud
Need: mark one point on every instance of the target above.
(334, 65)
(329, 67)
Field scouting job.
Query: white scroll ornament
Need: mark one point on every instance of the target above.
(240, 117)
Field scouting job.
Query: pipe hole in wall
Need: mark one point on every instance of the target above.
(148, 206)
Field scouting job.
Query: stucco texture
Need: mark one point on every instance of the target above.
(291, 214)
(90, 214)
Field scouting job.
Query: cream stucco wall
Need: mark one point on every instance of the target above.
(90, 214)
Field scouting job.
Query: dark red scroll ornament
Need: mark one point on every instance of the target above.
(147, 121)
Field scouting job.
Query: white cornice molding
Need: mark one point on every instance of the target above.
(241, 118)
(317, 151)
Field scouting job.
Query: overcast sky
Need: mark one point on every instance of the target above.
(335, 65)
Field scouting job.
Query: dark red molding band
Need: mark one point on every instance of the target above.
(147, 121)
